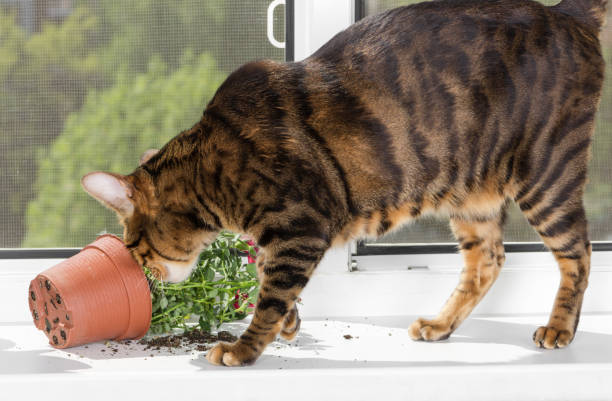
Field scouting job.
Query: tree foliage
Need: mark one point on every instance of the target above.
(46, 76)
(109, 133)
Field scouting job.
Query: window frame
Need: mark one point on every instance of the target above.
(365, 249)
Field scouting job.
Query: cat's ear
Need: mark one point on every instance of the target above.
(112, 190)
(148, 154)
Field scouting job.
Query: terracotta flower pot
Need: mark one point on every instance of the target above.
(99, 294)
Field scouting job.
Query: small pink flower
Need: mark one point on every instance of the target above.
(241, 297)
(250, 241)
(251, 259)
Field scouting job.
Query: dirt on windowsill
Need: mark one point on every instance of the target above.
(198, 339)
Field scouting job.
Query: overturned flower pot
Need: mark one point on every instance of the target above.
(99, 294)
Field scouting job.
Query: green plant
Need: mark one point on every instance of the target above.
(222, 288)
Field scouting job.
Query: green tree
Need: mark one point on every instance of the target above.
(45, 76)
(42, 79)
(109, 133)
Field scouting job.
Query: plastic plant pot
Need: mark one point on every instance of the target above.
(99, 294)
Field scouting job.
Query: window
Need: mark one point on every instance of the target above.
(90, 84)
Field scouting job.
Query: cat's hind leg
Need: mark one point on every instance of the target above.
(558, 216)
(480, 242)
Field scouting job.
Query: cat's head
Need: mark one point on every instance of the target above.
(164, 239)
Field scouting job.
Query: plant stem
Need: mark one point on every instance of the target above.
(167, 311)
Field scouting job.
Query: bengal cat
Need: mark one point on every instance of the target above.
(452, 107)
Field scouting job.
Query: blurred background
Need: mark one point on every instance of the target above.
(90, 84)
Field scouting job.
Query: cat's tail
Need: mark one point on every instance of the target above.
(589, 12)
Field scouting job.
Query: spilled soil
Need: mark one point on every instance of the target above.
(193, 339)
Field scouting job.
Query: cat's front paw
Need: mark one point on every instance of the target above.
(429, 330)
(232, 354)
(551, 337)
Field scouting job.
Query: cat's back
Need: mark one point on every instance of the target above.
(454, 93)
(434, 96)
(439, 34)
(456, 67)
(459, 67)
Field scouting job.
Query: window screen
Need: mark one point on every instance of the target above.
(598, 196)
(90, 84)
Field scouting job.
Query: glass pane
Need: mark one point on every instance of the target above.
(90, 84)
(598, 196)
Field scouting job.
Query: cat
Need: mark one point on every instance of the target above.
(453, 107)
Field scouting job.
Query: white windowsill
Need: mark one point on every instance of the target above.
(490, 357)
